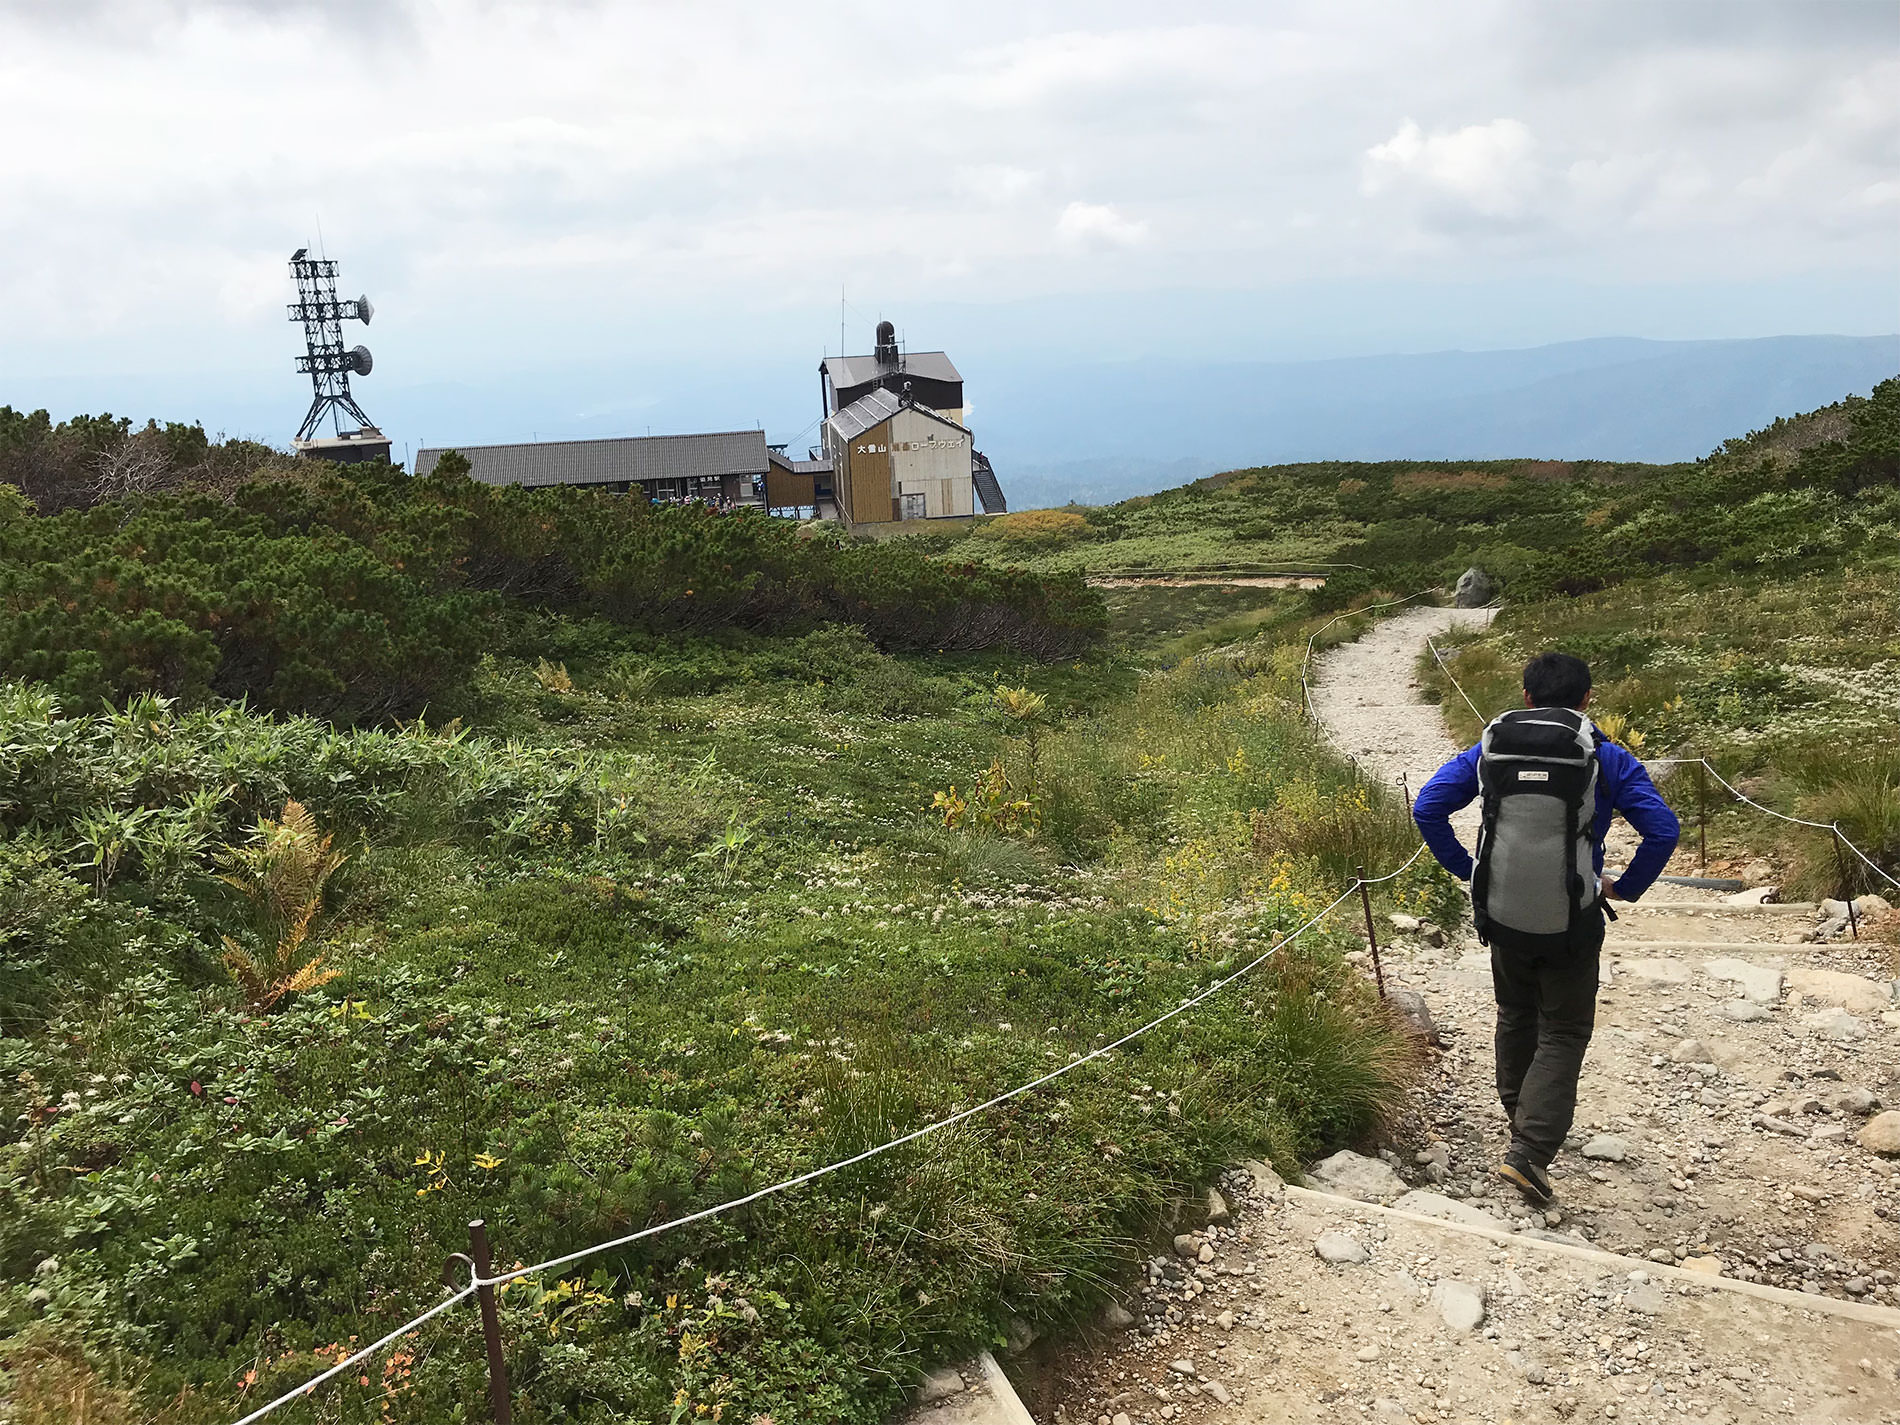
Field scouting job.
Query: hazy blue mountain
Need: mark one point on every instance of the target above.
(1094, 433)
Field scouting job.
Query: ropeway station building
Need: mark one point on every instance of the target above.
(895, 456)
(720, 467)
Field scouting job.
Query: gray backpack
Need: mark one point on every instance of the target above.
(1535, 886)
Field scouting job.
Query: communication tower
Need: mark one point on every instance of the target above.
(330, 365)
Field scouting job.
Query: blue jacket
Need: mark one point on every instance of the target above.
(1623, 785)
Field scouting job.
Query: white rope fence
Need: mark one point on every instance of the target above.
(363, 1355)
(1445, 668)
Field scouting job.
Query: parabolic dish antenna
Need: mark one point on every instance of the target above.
(364, 311)
(360, 360)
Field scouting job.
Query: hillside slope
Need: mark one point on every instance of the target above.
(1096, 433)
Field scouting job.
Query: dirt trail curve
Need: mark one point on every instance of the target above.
(1734, 1067)
(1366, 696)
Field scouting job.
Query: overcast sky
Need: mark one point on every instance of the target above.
(528, 186)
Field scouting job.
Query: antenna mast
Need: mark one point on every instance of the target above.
(328, 364)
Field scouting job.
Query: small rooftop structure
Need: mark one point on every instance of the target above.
(350, 447)
(849, 373)
(929, 378)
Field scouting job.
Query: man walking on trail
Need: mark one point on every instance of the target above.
(1550, 784)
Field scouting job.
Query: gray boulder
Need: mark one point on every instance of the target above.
(1460, 1304)
(1607, 1148)
(1266, 1182)
(1349, 1174)
(1475, 589)
(1760, 984)
(1340, 1249)
(1836, 1024)
(1433, 1204)
(1859, 1102)
(1882, 1133)
(939, 1384)
(1217, 1213)
(1411, 1008)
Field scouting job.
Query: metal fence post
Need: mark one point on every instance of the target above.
(1702, 807)
(1847, 886)
(498, 1398)
(1372, 937)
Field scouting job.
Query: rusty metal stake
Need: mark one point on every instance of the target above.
(498, 1399)
(1405, 790)
(1702, 808)
(1372, 937)
(1847, 886)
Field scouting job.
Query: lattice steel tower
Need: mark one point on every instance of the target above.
(325, 359)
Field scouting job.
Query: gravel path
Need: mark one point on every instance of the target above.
(1736, 1065)
(1367, 696)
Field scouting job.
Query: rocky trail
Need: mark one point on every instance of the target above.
(1727, 1233)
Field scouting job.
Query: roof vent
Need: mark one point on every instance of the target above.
(886, 349)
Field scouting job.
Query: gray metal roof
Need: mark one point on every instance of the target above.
(603, 462)
(873, 408)
(848, 371)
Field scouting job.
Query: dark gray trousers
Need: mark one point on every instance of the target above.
(1547, 1003)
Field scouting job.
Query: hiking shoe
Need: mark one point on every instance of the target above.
(1530, 1180)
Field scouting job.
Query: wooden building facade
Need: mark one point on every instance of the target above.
(894, 460)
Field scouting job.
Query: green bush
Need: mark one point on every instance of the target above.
(363, 595)
(187, 597)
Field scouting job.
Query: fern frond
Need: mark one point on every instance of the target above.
(283, 871)
(307, 978)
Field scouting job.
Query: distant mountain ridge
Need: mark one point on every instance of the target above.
(1101, 433)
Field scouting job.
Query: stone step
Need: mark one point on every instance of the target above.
(1647, 907)
(1614, 1261)
(980, 1395)
(1620, 945)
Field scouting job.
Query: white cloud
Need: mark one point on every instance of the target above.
(1098, 225)
(539, 177)
(998, 182)
(1485, 169)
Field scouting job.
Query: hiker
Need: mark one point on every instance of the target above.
(1538, 894)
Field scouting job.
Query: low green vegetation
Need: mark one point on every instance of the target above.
(640, 915)
(379, 854)
(1741, 607)
(1808, 495)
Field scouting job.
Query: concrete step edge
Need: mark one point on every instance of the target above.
(1647, 906)
(1766, 947)
(1829, 1305)
(996, 1404)
(1012, 1411)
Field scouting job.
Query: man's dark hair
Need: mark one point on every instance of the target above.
(1557, 680)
